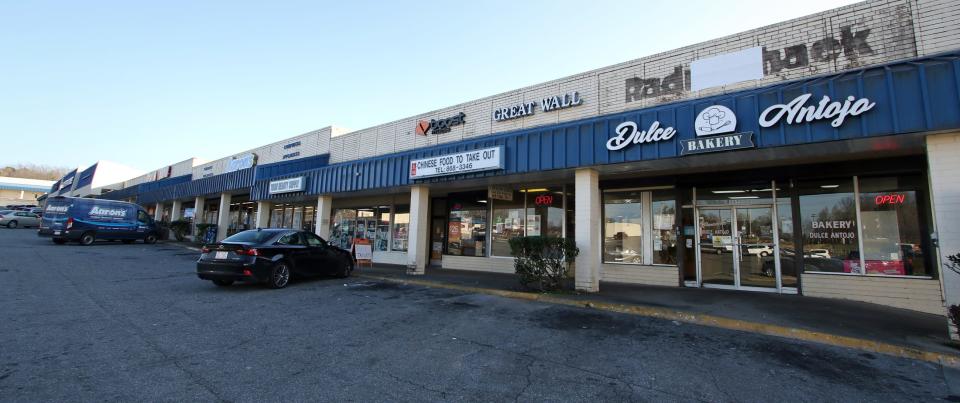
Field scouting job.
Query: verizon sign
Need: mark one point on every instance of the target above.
(451, 164)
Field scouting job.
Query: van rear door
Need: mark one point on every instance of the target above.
(55, 214)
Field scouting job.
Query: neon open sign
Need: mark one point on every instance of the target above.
(890, 199)
(544, 200)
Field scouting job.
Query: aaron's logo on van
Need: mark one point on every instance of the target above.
(107, 212)
(57, 209)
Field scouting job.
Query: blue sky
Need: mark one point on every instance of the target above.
(147, 84)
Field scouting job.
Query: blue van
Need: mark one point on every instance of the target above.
(87, 220)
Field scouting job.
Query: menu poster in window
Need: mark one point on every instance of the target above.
(533, 225)
(454, 238)
(663, 221)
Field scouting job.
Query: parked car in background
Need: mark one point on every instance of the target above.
(759, 249)
(87, 220)
(823, 253)
(271, 256)
(15, 219)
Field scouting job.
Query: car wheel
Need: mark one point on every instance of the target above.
(127, 241)
(59, 241)
(87, 238)
(12, 224)
(719, 251)
(346, 269)
(223, 283)
(279, 276)
(150, 239)
(764, 254)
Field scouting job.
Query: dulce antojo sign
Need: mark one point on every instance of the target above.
(796, 111)
(627, 135)
(468, 161)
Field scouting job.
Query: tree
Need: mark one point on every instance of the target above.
(34, 171)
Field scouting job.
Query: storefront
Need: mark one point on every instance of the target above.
(814, 187)
(828, 172)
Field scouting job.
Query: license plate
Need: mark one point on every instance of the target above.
(220, 255)
(56, 232)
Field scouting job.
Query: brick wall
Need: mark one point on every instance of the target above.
(849, 37)
(907, 293)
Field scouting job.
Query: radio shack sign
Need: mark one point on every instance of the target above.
(486, 159)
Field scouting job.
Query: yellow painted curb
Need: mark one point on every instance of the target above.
(705, 320)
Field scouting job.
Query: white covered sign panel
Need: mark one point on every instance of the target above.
(287, 185)
(728, 68)
(485, 159)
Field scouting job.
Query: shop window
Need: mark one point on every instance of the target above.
(276, 217)
(788, 247)
(382, 241)
(622, 229)
(467, 225)
(639, 227)
(891, 227)
(508, 222)
(545, 212)
(288, 217)
(343, 227)
(664, 212)
(401, 227)
(309, 219)
(829, 218)
(366, 226)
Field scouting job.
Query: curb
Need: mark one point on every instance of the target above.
(704, 320)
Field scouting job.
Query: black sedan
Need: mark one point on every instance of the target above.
(271, 256)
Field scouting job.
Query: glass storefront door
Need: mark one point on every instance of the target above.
(755, 260)
(716, 246)
(737, 248)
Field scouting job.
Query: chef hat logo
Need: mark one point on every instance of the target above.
(715, 119)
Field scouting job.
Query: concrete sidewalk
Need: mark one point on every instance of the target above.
(838, 322)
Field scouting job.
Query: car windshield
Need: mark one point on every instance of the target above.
(251, 236)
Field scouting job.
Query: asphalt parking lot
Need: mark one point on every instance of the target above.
(132, 322)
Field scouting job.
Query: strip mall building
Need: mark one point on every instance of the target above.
(817, 156)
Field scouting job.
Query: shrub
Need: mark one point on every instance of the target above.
(202, 232)
(542, 263)
(180, 228)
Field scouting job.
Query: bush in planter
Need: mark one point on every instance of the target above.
(180, 228)
(542, 263)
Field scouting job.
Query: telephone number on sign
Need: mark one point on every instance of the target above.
(453, 168)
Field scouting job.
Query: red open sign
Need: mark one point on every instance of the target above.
(544, 200)
(894, 198)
